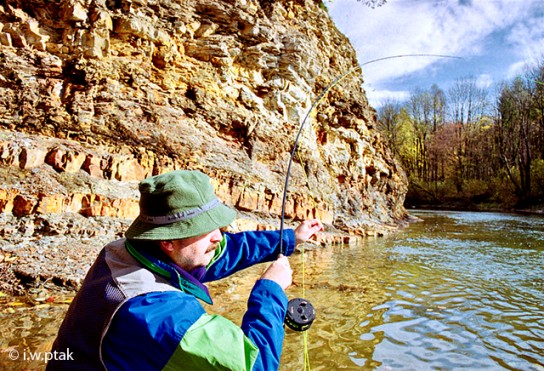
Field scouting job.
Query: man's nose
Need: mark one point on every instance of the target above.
(217, 236)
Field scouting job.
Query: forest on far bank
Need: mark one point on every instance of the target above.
(471, 148)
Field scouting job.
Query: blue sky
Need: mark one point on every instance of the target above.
(496, 40)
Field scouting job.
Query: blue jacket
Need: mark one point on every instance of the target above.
(157, 322)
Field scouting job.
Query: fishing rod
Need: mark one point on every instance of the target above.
(300, 313)
(314, 105)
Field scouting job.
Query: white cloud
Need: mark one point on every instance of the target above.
(484, 81)
(527, 37)
(407, 27)
(377, 98)
(436, 27)
(516, 69)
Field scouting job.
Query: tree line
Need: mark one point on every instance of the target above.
(467, 147)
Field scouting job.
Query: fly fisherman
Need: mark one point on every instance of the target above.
(137, 308)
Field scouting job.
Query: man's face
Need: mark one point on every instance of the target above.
(193, 252)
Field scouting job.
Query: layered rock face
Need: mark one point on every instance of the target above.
(96, 95)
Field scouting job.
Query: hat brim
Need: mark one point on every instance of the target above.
(218, 217)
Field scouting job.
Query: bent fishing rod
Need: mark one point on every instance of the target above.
(300, 313)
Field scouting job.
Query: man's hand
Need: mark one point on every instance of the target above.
(307, 229)
(280, 272)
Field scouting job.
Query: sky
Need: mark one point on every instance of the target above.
(493, 40)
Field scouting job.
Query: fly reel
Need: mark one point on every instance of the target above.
(300, 314)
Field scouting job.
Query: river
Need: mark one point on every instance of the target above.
(457, 291)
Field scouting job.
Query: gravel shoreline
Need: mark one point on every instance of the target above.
(57, 249)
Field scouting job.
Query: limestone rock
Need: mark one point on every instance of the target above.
(96, 95)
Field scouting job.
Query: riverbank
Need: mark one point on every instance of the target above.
(497, 195)
(534, 210)
(53, 252)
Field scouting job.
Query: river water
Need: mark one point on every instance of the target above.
(458, 290)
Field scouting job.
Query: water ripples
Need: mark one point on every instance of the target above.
(448, 294)
(447, 324)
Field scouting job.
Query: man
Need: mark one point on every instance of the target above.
(137, 308)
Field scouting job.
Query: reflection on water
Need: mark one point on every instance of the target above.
(27, 333)
(457, 291)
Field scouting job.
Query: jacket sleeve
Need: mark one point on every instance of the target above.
(171, 331)
(241, 250)
(213, 342)
(263, 323)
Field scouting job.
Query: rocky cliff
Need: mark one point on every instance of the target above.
(95, 95)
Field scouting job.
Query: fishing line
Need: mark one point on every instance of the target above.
(300, 313)
(315, 103)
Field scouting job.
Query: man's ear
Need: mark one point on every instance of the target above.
(166, 246)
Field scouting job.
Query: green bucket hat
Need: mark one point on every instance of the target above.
(176, 205)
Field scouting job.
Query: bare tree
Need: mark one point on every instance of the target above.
(535, 76)
(389, 122)
(520, 126)
(467, 104)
